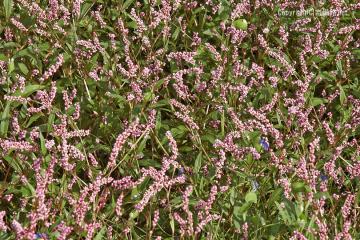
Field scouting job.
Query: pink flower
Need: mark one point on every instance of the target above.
(120, 141)
(18, 25)
(119, 202)
(53, 69)
(3, 226)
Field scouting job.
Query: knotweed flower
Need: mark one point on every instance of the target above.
(3, 226)
(53, 69)
(18, 25)
(120, 141)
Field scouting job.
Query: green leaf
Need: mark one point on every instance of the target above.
(23, 68)
(149, 163)
(179, 131)
(223, 123)
(3, 57)
(232, 196)
(298, 187)
(208, 32)
(142, 145)
(284, 213)
(8, 6)
(33, 118)
(158, 121)
(134, 214)
(11, 66)
(176, 33)
(29, 90)
(42, 145)
(172, 223)
(238, 211)
(317, 101)
(50, 123)
(4, 125)
(13, 163)
(127, 3)
(85, 8)
(251, 197)
(148, 96)
(25, 192)
(208, 138)
(342, 95)
(198, 161)
(237, 222)
(100, 234)
(327, 75)
(134, 193)
(132, 24)
(339, 68)
(240, 24)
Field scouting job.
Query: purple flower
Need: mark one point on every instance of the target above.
(41, 236)
(264, 144)
(323, 177)
(181, 171)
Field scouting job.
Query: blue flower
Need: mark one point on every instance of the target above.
(264, 144)
(323, 177)
(181, 171)
(255, 185)
(40, 236)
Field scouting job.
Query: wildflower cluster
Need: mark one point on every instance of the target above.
(179, 119)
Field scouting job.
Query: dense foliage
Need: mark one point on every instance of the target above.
(179, 119)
